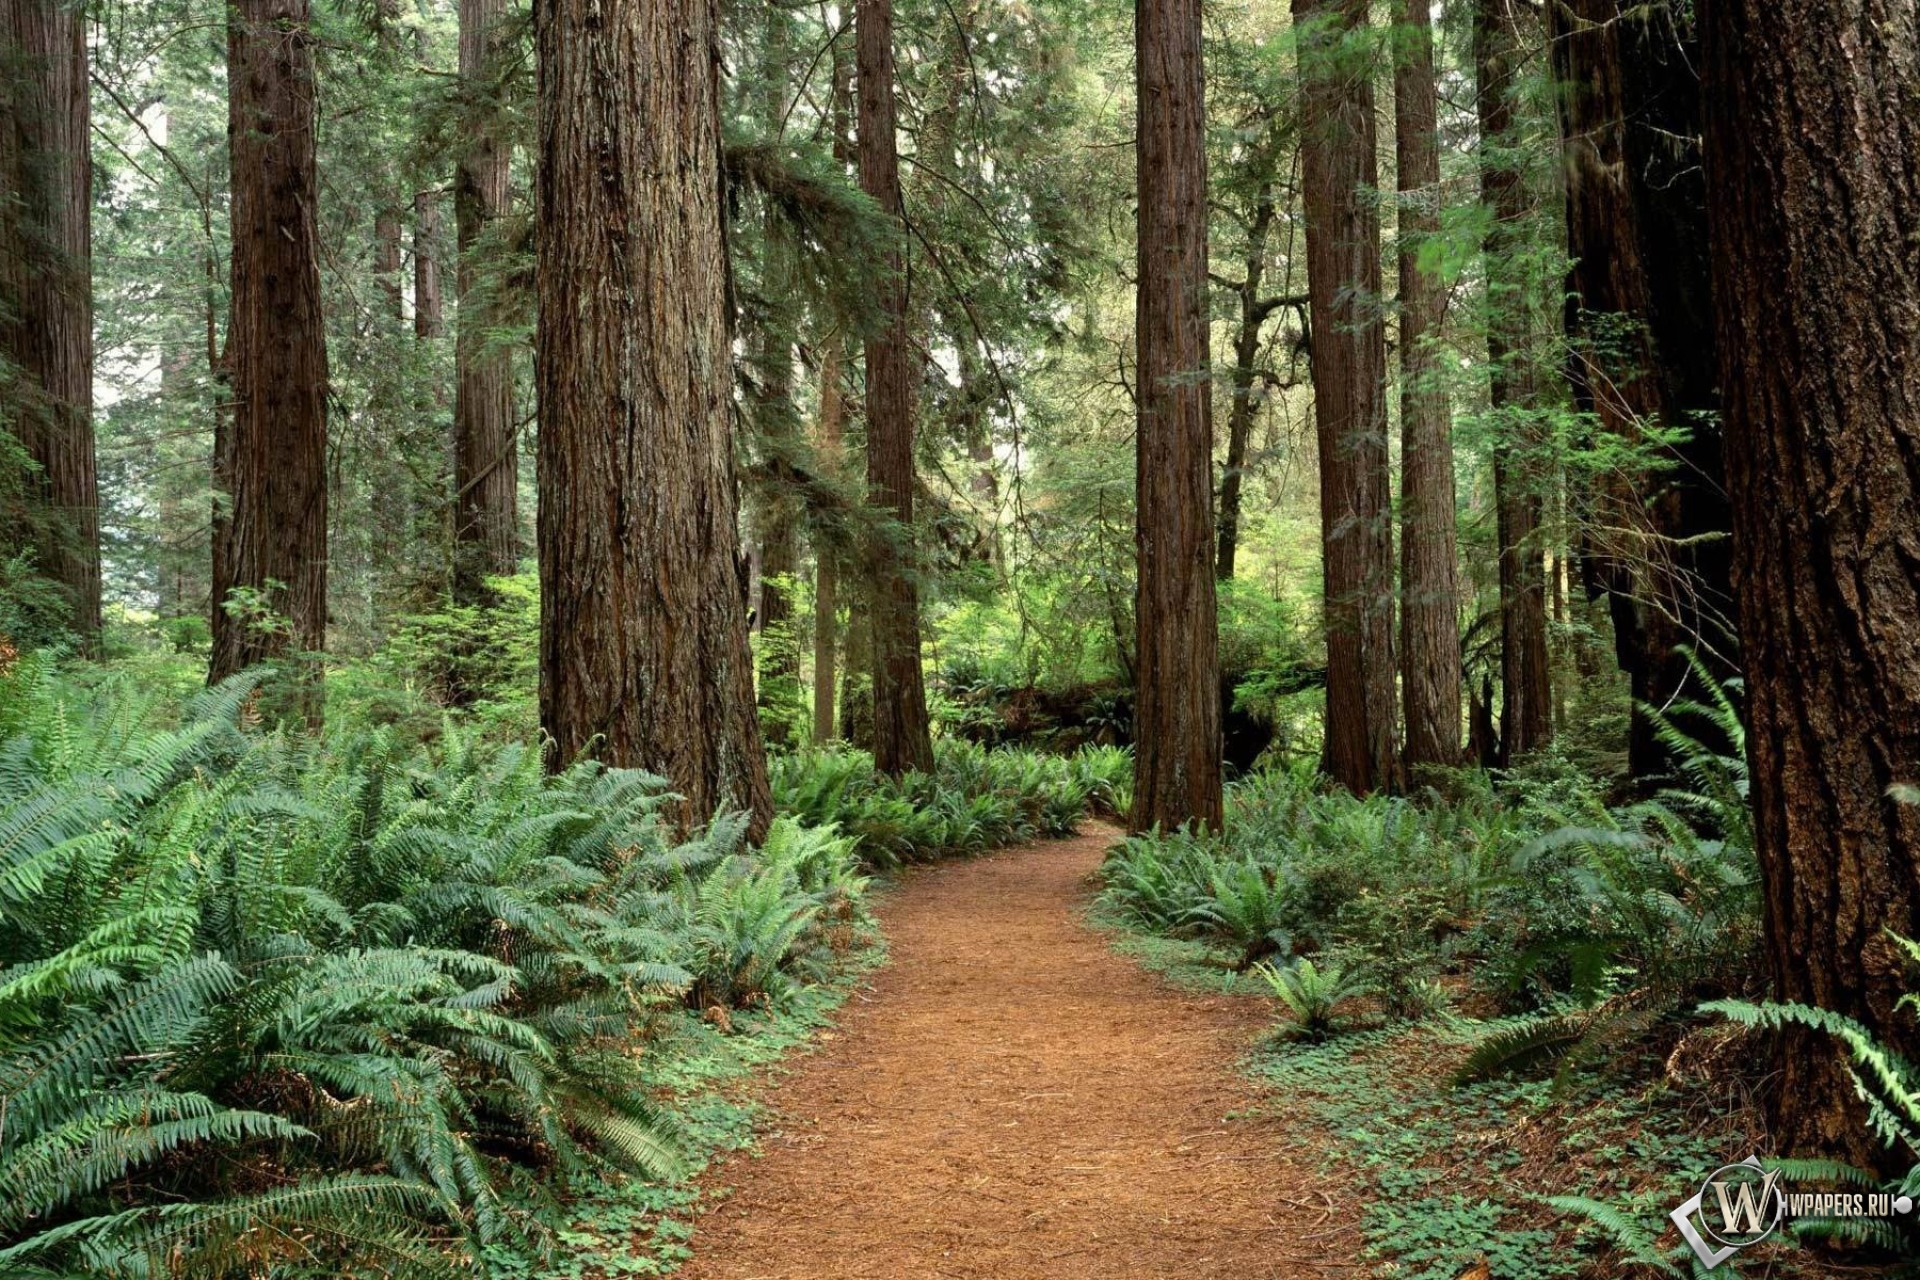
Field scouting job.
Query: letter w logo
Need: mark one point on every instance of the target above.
(1744, 1212)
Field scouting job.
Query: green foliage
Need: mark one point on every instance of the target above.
(377, 999)
(975, 799)
(1312, 994)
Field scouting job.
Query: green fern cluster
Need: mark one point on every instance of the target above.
(976, 798)
(273, 1007)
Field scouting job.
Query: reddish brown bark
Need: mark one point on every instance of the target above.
(643, 629)
(429, 299)
(1526, 687)
(486, 461)
(46, 290)
(272, 455)
(901, 738)
(1338, 173)
(1429, 589)
(826, 574)
(1176, 711)
(1813, 193)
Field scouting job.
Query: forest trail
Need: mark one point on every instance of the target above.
(1012, 1100)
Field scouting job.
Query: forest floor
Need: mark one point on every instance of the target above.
(1009, 1098)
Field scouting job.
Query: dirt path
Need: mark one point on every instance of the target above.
(1012, 1100)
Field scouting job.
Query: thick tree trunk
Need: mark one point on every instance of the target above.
(1640, 314)
(486, 463)
(1429, 588)
(1176, 710)
(901, 739)
(46, 289)
(1526, 686)
(386, 260)
(272, 459)
(1813, 193)
(1338, 172)
(643, 628)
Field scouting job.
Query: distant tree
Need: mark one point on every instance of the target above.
(1526, 684)
(1813, 189)
(1641, 318)
(1429, 590)
(270, 547)
(644, 657)
(1338, 170)
(1176, 770)
(486, 470)
(901, 736)
(46, 298)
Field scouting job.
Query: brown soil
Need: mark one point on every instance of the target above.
(1012, 1100)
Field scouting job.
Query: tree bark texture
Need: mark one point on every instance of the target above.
(46, 290)
(1338, 177)
(901, 736)
(1429, 585)
(429, 300)
(1526, 686)
(486, 463)
(1641, 317)
(1813, 194)
(1176, 710)
(826, 574)
(644, 657)
(272, 457)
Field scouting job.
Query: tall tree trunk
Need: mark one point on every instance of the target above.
(901, 739)
(826, 575)
(429, 302)
(1641, 319)
(1176, 714)
(1429, 589)
(1813, 194)
(273, 457)
(643, 626)
(486, 463)
(1338, 173)
(46, 289)
(386, 260)
(1526, 687)
(1254, 311)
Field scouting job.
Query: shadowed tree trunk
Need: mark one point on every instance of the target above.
(1429, 591)
(486, 465)
(1526, 687)
(826, 575)
(1641, 316)
(1813, 194)
(272, 457)
(643, 626)
(1349, 389)
(1176, 713)
(901, 739)
(46, 290)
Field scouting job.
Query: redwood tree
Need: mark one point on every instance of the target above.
(1813, 196)
(1429, 592)
(271, 458)
(46, 300)
(643, 626)
(1641, 318)
(1176, 714)
(486, 470)
(901, 738)
(1338, 173)
(1526, 687)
